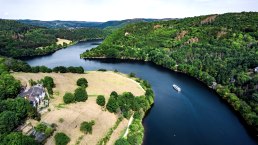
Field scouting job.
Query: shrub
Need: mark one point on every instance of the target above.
(68, 98)
(61, 120)
(41, 127)
(102, 69)
(82, 82)
(86, 127)
(80, 94)
(49, 131)
(61, 139)
(101, 100)
(131, 75)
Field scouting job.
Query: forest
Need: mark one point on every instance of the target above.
(21, 40)
(219, 50)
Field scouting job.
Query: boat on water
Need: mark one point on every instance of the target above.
(176, 87)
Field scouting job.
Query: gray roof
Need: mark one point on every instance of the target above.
(34, 91)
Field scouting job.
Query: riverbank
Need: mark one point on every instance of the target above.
(60, 44)
(229, 98)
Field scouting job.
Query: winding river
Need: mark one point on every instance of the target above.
(195, 116)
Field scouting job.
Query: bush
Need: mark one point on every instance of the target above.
(86, 127)
(61, 120)
(80, 94)
(102, 69)
(68, 98)
(101, 100)
(41, 127)
(82, 82)
(132, 75)
(61, 139)
(49, 131)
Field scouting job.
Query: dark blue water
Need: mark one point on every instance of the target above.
(195, 116)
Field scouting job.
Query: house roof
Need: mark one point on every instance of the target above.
(33, 92)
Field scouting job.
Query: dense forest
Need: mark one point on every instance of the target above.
(13, 110)
(219, 50)
(20, 40)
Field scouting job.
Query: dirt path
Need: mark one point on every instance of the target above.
(127, 129)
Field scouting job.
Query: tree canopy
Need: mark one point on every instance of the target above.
(216, 49)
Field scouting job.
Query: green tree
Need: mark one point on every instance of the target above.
(9, 87)
(86, 127)
(48, 81)
(101, 100)
(17, 138)
(122, 141)
(82, 82)
(8, 121)
(68, 98)
(61, 139)
(80, 94)
(112, 105)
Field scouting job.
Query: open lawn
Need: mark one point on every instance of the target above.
(100, 83)
(62, 41)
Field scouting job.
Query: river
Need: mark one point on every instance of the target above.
(195, 116)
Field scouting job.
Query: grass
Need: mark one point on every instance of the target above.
(79, 140)
(106, 138)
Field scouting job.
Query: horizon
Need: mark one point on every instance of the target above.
(116, 10)
(125, 18)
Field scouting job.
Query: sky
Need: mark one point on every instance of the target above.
(104, 10)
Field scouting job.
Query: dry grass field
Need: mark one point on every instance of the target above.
(62, 41)
(100, 83)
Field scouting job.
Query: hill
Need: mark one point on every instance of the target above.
(83, 24)
(20, 40)
(60, 24)
(219, 50)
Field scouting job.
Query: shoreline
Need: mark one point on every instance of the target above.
(56, 49)
(250, 130)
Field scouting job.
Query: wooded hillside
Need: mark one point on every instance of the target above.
(216, 49)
